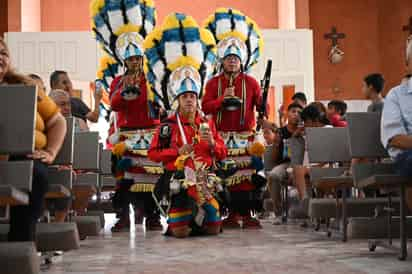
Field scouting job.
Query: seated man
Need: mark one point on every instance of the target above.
(60, 80)
(396, 132)
(62, 100)
(278, 175)
(311, 117)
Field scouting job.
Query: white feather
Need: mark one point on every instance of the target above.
(173, 50)
(195, 51)
(222, 26)
(115, 19)
(135, 16)
(209, 67)
(148, 26)
(241, 26)
(159, 70)
(158, 87)
(104, 31)
(221, 51)
(254, 42)
(170, 94)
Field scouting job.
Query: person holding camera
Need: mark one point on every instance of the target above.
(60, 79)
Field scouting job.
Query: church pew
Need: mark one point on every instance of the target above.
(107, 183)
(51, 236)
(329, 146)
(364, 142)
(17, 141)
(86, 161)
(104, 170)
(19, 257)
(59, 236)
(107, 180)
(85, 184)
(4, 214)
(15, 182)
(60, 174)
(87, 151)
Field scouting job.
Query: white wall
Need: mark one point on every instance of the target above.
(291, 52)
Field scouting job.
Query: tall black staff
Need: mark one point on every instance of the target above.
(265, 84)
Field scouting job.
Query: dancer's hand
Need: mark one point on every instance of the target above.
(185, 149)
(229, 92)
(207, 136)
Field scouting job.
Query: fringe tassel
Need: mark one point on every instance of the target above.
(236, 151)
(142, 187)
(237, 180)
(156, 170)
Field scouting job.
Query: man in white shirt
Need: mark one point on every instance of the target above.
(396, 133)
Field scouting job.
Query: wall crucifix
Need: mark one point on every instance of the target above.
(334, 36)
(335, 54)
(408, 27)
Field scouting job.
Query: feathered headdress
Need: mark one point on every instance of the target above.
(108, 69)
(120, 26)
(236, 34)
(179, 58)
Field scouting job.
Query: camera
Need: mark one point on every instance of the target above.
(130, 92)
(232, 103)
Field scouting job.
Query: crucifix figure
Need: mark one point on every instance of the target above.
(408, 27)
(334, 36)
(335, 54)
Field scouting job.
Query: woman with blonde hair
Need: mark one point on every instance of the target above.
(49, 136)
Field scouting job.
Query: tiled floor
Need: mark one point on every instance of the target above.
(274, 249)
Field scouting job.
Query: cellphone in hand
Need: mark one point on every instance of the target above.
(98, 88)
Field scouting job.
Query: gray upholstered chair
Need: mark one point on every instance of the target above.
(18, 103)
(329, 146)
(364, 142)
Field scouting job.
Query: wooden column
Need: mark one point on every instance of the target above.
(287, 14)
(3, 17)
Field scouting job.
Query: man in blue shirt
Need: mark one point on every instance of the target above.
(396, 133)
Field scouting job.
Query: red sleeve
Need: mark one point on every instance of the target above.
(336, 121)
(220, 147)
(257, 93)
(342, 123)
(211, 103)
(158, 154)
(116, 100)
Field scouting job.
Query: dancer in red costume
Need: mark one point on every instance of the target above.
(121, 26)
(187, 143)
(232, 97)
